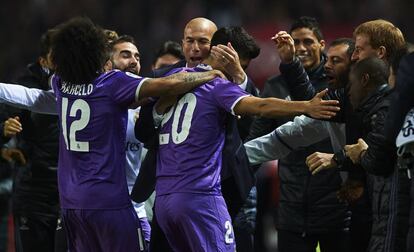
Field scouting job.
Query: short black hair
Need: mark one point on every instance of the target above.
(46, 43)
(169, 47)
(310, 23)
(345, 41)
(376, 68)
(242, 42)
(79, 50)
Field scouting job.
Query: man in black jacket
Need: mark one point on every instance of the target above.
(308, 211)
(8, 154)
(401, 104)
(35, 193)
(370, 97)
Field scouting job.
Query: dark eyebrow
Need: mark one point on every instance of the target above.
(131, 53)
(125, 51)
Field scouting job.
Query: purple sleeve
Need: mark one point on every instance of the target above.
(125, 88)
(227, 94)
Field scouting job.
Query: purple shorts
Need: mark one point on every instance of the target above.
(102, 230)
(195, 222)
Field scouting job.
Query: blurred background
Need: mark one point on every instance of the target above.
(152, 22)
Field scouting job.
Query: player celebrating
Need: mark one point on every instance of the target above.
(92, 105)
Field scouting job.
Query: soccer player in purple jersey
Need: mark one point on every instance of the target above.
(92, 105)
(189, 206)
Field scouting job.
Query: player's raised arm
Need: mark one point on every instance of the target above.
(273, 107)
(176, 84)
(33, 99)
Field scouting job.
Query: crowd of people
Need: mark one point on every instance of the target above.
(87, 142)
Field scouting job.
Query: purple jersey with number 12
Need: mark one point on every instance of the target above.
(93, 117)
(192, 138)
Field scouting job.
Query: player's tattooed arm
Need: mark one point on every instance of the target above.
(176, 84)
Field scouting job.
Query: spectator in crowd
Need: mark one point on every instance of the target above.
(309, 211)
(375, 38)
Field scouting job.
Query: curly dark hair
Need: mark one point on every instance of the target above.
(242, 42)
(46, 42)
(79, 50)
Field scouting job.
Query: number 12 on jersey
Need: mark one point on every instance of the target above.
(85, 112)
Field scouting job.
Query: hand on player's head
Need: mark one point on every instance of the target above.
(228, 60)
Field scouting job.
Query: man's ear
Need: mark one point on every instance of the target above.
(322, 42)
(381, 52)
(108, 66)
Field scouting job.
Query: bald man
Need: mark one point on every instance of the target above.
(196, 41)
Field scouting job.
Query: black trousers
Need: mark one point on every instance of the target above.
(38, 232)
(329, 242)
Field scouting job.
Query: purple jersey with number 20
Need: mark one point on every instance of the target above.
(192, 137)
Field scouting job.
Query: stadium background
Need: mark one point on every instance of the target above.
(152, 22)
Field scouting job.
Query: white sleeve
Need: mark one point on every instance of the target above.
(265, 148)
(33, 99)
(302, 132)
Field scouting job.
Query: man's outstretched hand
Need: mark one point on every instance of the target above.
(322, 109)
